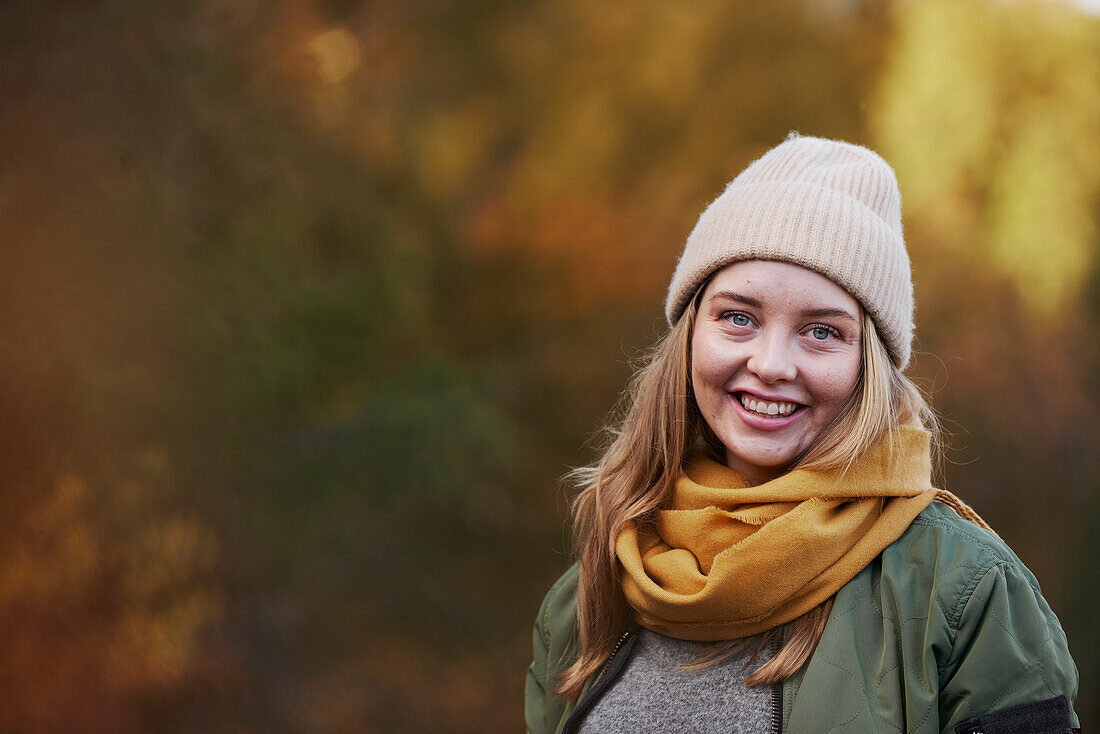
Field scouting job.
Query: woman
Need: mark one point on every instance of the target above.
(760, 547)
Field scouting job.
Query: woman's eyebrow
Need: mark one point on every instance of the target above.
(820, 313)
(731, 296)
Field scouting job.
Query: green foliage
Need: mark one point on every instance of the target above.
(990, 115)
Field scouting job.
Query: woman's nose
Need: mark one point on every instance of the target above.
(772, 360)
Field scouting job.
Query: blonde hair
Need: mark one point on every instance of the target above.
(659, 426)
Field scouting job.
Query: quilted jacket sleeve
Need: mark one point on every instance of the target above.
(1009, 650)
(550, 641)
(534, 708)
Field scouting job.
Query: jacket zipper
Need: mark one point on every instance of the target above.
(777, 695)
(607, 675)
(614, 651)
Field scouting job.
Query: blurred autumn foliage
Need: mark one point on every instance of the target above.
(307, 304)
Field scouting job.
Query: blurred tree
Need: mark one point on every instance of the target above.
(98, 614)
(990, 114)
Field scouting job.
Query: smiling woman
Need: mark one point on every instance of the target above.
(775, 356)
(760, 546)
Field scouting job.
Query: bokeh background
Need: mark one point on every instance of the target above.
(307, 304)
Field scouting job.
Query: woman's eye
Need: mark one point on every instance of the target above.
(738, 319)
(821, 333)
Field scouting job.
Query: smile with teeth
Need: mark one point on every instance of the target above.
(763, 407)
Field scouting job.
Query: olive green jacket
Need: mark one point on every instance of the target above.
(946, 631)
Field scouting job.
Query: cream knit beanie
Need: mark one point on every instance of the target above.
(829, 206)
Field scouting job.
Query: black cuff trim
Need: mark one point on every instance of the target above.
(1041, 717)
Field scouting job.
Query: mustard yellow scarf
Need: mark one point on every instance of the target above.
(728, 560)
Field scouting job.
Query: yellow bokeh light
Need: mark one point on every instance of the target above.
(336, 52)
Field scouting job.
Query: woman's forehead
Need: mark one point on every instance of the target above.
(770, 281)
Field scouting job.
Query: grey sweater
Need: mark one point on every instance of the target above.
(652, 694)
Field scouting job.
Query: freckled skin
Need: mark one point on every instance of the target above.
(773, 350)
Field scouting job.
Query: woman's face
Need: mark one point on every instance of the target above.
(775, 353)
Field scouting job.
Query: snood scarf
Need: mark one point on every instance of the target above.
(726, 560)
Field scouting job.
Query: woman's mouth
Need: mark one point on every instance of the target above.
(766, 408)
(767, 415)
